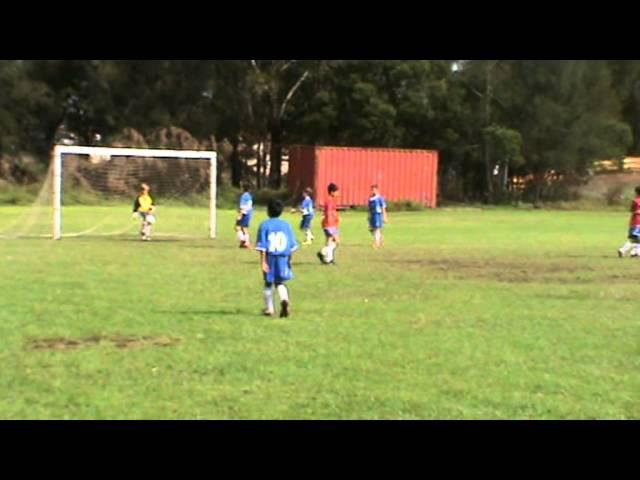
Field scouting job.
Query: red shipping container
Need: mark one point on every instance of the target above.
(401, 174)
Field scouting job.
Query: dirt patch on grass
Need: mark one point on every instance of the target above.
(119, 341)
(506, 271)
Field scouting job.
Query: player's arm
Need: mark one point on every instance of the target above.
(261, 246)
(293, 242)
(263, 261)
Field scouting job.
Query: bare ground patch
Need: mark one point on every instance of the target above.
(511, 271)
(119, 341)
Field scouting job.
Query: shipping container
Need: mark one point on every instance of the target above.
(401, 174)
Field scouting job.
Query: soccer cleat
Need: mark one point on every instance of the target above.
(620, 253)
(284, 309)
(321, 258)
(268, 313)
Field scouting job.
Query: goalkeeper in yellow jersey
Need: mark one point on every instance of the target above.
(144, 207)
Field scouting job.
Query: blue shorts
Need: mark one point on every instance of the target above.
(331, 232)
(376, 221)
(244, 221)
(634, 233)
(305, 223)
(279, 269)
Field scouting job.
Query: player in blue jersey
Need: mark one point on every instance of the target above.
(276, 244)
(377, 215)
(307, 216)
(244, 217)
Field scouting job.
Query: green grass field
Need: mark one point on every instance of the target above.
(465, 314)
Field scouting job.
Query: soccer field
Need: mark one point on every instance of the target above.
(465, 314)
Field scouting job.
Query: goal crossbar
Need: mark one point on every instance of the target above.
(60, 150)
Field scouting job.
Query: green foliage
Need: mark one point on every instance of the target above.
(489, 119)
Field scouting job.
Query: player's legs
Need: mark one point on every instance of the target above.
(377, 237)
(268, 299)
(269, 281)
(280, 267)
(305, 226)
(146, 228)
(242, 231)
(329, 251)
(631, 245)
(375, 227)
(283, 293)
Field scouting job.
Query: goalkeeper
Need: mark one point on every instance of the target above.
(144, 207)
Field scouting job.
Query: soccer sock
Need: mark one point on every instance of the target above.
(240, 236)
(378, 237)
(626, 247)
(283, 292)
(268, 298)
(308, 235)
(330, 251)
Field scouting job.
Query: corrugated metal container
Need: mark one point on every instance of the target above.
(401, 174)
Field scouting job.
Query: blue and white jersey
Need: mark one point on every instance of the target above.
(246, 203)
(376, 205)
(275, 236)
(307, 206)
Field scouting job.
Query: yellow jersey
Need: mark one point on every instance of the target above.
(144, 203)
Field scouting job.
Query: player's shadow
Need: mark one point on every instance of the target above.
(108, 239)
(212, 312)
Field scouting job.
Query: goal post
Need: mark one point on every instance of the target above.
(107, 152)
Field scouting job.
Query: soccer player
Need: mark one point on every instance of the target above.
(633, 242)
(330, 225)
(244, 217)
(143, 207)
(307, 216)
(276, 244)
(377, 215)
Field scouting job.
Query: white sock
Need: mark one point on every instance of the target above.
(626, 247)
(378, 237)
(240, 236)
(330, 248)
(283, 293)
(268, 299)
(308, 235)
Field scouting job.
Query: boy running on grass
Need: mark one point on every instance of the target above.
(144, 207)
(633, 242)
(330, 225)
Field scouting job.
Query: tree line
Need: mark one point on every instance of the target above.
(493, 121)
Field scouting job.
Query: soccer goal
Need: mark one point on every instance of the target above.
(100, 183)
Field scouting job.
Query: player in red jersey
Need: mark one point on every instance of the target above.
(633, 242)
(330, 225)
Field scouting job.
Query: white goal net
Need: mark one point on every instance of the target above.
(91, 191)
